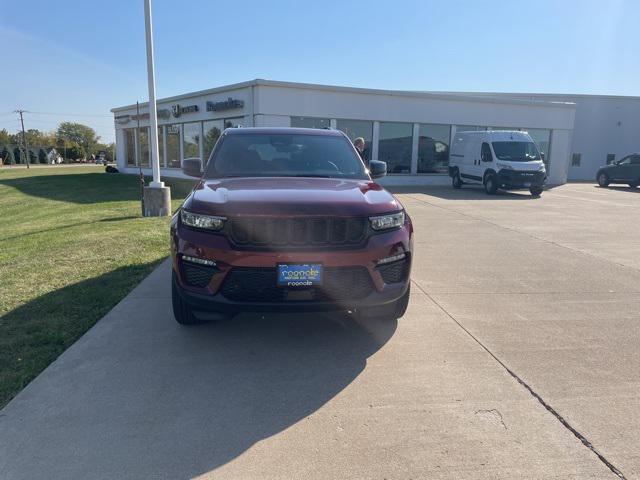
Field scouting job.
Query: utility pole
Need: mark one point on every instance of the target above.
(24, 136)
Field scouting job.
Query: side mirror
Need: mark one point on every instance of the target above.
(377, 169)
(542, 156)
(192, 167)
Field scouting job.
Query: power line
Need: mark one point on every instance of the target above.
(72, 114)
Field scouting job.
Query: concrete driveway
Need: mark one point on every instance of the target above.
(518, 358)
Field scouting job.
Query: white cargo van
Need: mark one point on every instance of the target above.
(497, 159)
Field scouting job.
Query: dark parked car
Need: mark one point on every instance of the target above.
(288, 219)
(626, 171)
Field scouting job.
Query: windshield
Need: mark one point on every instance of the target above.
(516, 151)
(285, 155)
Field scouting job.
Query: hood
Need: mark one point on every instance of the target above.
(291, 196)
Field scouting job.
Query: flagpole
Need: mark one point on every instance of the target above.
(157, 196)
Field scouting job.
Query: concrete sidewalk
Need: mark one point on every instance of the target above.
(323, 396)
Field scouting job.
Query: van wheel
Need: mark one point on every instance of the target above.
(535, 191)
(181, 311)
(603, 180)
(456, 181)
(490, 184)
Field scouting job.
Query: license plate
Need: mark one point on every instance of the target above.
(299, 275)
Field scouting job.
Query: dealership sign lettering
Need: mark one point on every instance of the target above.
(228, 104)
(178, 110)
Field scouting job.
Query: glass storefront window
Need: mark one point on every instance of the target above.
(233, 122)
(542, 137)
(144, 146)
(173, 146)
(310, 122)
(433, 148)
(160, 147)
(212, 131)
(394, 146)
(130, 146)
(358, 128)
(191, 140)
(469, 128)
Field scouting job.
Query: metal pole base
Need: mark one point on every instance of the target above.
(157, 201)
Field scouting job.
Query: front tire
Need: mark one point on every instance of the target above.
(490, 184)
(456, 181)
(535, 191)
(603, 180)
(181, 310)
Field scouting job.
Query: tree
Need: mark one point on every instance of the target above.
(6, 138)
(6, 155)
(77, 135)
(108, 149)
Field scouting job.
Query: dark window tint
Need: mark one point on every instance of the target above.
(143, 135)
(212, 131)
(173, 146)
(433, 148)
(575, 159)
(310, 122)
(516, 151)
(635, 160)
(485, 153)
(284, 155)
(394, 146)
(130, 146)
(358, 128)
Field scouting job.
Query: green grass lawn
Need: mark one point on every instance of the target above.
(72, 244)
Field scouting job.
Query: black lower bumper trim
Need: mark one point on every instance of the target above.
(219, 304)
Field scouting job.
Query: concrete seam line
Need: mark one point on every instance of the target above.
(535, 395)
(480, 219)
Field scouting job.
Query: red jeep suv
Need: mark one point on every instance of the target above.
(288, 219)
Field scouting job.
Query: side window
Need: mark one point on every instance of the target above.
(625, 160)
(485, 153)
(635, 160)
(575, 159)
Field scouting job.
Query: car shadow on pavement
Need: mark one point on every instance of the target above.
(619, 188)
(244, 380)
(140, 396)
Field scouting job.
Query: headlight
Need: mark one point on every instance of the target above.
(542, 168)
(385, 222)
(504, 165)
(206, 222)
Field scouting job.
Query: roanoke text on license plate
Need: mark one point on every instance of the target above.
(299, 275)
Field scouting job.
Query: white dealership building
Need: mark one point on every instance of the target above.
(410, 130)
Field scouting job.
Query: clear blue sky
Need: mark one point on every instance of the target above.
(85, 57)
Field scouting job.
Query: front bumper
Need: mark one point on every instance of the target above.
(212, 295)
(520, 179)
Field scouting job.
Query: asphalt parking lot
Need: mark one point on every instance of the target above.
(518, 358)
